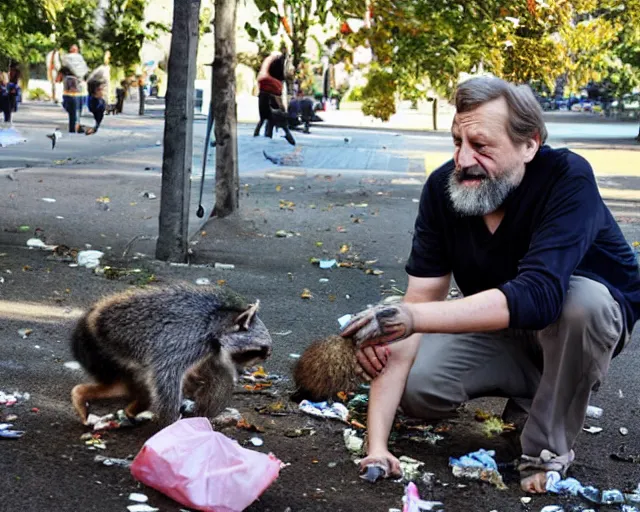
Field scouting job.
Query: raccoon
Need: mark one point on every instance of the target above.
(150, 344)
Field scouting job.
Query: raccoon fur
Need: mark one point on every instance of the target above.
(152, 344)
(326, 367)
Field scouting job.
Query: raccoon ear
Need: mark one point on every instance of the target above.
(244, 319)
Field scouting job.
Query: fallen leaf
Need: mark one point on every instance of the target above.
(203, 233)
(344, 249)
(26, 268)
(342, 395)
(332, 298)
(374, 271)
(244, 424)
(319, 244)
(258, 386)
(221, 282)
(306, 294)
(103, 200)
(278, 188)
(286, 205)
(133, 203)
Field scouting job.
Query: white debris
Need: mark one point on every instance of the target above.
(525, 500)
(142, 508)
(137, 497)
(624, 431)
(294, 356)
(148, 195)
(48, 199)
(594, 412)
(224, 266)
(36, 242)
(89, 259)
(593, 430)
(344, 320)
(256, 441)
(73, 365)
(202, 281)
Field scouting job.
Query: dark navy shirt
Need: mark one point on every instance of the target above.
(555, 225)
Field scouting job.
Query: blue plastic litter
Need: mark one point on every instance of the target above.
(5, 433)
(481, 459)
(557, 485)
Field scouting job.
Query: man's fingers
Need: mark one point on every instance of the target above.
(365, 364)
(371, 355)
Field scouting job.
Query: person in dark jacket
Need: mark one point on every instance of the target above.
(5, 98)
(550, 286)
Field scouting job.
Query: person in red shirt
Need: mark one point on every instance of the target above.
(272, 109)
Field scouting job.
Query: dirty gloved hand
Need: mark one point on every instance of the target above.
(380, 324)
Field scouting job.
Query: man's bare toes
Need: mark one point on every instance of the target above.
(535, 484)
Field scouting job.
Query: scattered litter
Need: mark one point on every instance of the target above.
(256, 441)
(374, 472)
(479, 465)
(299, 432)
(36, 242)
(281, 233)
(306, 294)
(282, 333)
(415, 200)
(413, 503)
(9, 399)
(142, 508)
(224, 266)
(417, 434)
(24, 333)
(227, 417)
(138, 498)
(203, 281)
(241, 475)
(594, 412)
(593, 430)
(188, 406)
(95, 443)
(73, 365)
(249, 427)
(552, 508)
(59, 217)
(111, 461)
(11, 417)
(48, 199)
(557, 485)
(279, 408)
(10, 136)
(620, 394)
(158, 143)
(525, 500)
(294, 356)
(118, 420)
(6, 433)
(352, 442)
(323, 280)
(326, 264)
(148, 195)
(411, 468)
(323, 410)
(344, 320)
(89, 259)
(624, 431)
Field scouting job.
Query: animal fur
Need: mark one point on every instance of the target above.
(326, 367)
(149, 344)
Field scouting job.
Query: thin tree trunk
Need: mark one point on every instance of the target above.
(173, 239)
(434, 113)
(223, 96)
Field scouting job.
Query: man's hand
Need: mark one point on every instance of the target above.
(385, 460)
(380, 324)
(371, 361)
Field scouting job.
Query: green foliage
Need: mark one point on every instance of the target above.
(379, 94)
(428, 45)
(38, 94)
(356, 94)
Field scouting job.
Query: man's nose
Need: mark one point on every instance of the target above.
(466, 156)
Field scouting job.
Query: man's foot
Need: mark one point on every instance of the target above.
(535, 483)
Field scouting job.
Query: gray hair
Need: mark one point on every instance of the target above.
(525, 113)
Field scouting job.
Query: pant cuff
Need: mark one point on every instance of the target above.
(548, 461)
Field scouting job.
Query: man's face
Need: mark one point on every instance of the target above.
(488, 164)
(73, 49)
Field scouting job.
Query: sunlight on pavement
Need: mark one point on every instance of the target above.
(24, 311)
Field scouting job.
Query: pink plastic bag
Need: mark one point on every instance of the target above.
(203, 469)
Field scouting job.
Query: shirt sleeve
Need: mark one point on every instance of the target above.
(429, 256)
(568, 227)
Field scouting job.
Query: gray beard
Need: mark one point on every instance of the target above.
(486, 198)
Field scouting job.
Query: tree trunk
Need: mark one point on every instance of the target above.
(223, 97)
(140, 100)
(434, 113)
(173, 239)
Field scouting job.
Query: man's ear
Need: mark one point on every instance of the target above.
(531, 147)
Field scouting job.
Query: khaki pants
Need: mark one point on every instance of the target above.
(550, 373)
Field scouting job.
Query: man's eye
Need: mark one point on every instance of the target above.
(457, 142)
(479, 147)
